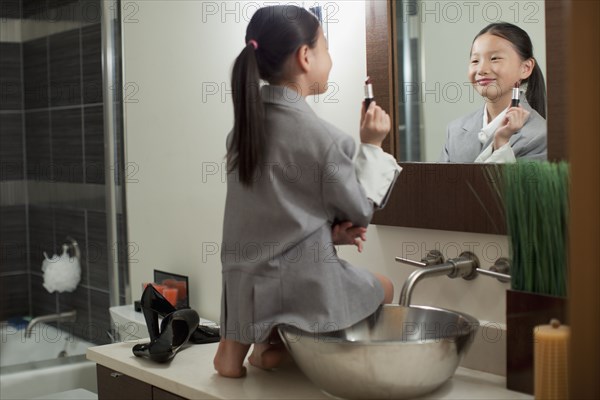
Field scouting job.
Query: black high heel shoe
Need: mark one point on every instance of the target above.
(153, 301)
(205, 334)
(176, 327)
(154, 304)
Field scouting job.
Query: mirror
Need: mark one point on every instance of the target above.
(454, 196)
(432, 44)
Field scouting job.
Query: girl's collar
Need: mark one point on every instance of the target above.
(284, 95)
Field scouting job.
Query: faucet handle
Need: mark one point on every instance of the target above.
(410, 262)
(500, 270)
(433, 257)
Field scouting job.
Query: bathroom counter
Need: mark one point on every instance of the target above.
(191, 375)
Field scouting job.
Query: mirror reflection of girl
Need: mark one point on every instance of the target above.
(501, 55)
(293, 191)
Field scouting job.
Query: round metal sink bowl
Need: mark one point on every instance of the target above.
(398, 352)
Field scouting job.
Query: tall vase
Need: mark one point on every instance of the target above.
(524, 311)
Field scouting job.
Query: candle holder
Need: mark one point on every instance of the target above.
(524, 311)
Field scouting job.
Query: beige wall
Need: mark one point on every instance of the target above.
(175, 135)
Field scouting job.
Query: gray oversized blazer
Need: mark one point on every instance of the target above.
(279, 265)
(463, 145)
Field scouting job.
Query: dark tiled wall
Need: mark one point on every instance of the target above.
(11, 116)
(35, 73)
(10, 77)
(49, 227)
(13, 234)
(63, 107)
(64, 55)
(91, 52)
(38, 145)
(65, 143)
(32, 8)
(93, 118)
(51, 114)
(11, 146)
(14, 274)
(10, 9)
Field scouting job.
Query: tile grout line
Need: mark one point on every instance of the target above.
(81, 86)
(49, 96)
(56, 108)
(25, 169)
(87, 267)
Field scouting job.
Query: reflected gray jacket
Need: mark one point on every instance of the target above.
(463, 145)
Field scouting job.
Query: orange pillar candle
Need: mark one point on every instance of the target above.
(171, 295)
(551, 358)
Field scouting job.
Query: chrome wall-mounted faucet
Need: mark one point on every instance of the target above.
(465, 266)
(69, 316)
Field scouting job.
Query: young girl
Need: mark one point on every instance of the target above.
(501, 56)
(293, 191)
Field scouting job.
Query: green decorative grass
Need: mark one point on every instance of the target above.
(535, 196)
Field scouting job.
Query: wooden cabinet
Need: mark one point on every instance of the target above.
(159, 394)
(114, 385)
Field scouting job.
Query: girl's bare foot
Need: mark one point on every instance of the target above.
(229, 359)
(268, 356)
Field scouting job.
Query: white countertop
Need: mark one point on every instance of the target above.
(191, 375)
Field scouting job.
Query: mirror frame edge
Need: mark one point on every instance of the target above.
(432, 195)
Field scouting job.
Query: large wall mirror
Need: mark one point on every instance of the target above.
(409, 44)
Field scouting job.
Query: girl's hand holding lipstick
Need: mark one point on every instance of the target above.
(374, 124)
(514, 120)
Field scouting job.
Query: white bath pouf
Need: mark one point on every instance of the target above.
(61, 274)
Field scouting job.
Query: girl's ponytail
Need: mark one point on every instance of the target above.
(536, 91)
(273, 35)
(245, 151)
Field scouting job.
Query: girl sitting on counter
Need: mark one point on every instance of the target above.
(292, 275)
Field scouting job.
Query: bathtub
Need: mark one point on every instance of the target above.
(50, 361)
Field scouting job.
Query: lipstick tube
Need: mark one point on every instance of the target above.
(515, 96)
(368, 93)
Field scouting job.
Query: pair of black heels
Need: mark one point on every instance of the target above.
(176, 328)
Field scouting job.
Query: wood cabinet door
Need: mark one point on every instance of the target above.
(159, 394)
(116, 385)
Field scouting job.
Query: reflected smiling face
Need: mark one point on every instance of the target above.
(495, 66)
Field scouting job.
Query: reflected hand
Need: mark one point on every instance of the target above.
(374, 124)
(514, 120)
(346, 233)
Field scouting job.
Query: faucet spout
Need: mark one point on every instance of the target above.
(464, 266)
(68, 316)
(418, 275)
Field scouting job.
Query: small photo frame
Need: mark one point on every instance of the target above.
(177, 286)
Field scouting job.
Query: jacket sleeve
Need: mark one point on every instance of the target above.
(343, 196)
(445, 155)
(503, 155)
(376, 171)
(535, 149)
(533, 144)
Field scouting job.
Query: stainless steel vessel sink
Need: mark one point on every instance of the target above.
(398, 352)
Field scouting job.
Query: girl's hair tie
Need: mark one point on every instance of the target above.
(253, 43)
